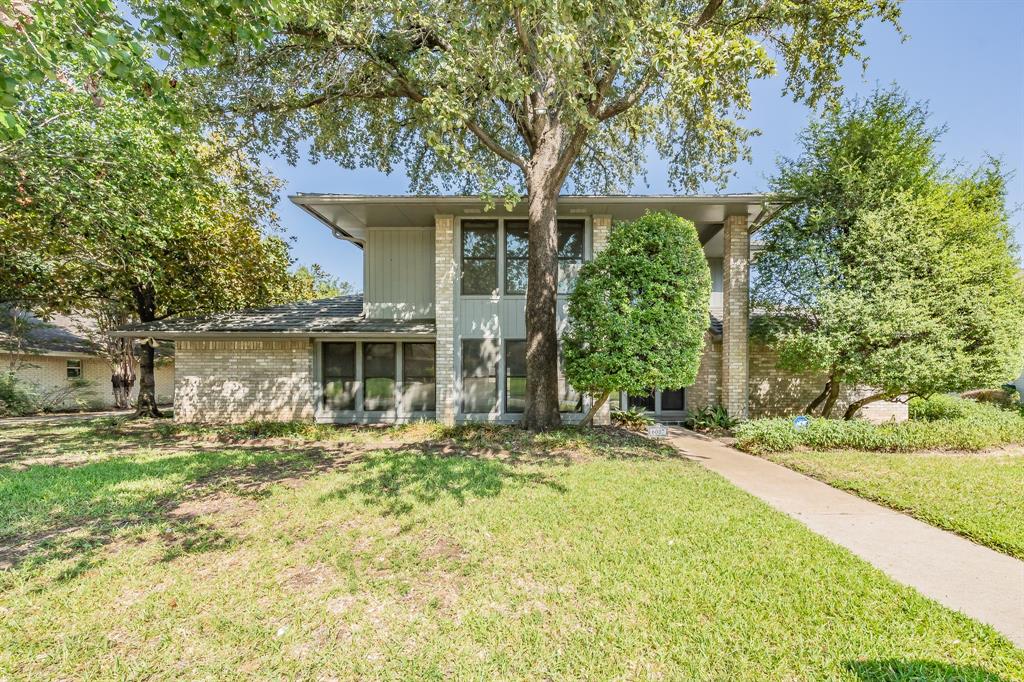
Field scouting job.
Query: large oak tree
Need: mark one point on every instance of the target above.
(500, 97)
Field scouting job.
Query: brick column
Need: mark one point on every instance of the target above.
(444, 316)
(736, 316)
(601, 229)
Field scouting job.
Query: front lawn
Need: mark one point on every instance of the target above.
(418, 552)
(980, 496)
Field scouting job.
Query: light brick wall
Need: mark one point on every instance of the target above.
(601, 229)
(444, 307)
(48, 373)
(707, 389)
(238, 380)
(735, 315)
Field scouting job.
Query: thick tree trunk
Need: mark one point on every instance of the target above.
(833, 396)
(820, 399)
(856, 406)
(588, 418)
(541, 300)
(145, 302)
(122, 375)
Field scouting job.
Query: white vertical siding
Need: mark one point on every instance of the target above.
(399, 273)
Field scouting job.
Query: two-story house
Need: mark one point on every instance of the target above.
(439, 330)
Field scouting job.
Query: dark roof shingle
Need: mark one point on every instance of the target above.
(324, 316)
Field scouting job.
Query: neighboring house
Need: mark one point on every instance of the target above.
(438, 332)
(60, 361)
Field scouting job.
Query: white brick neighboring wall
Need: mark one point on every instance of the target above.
(238, 380)
(444, 310)
(48, 373)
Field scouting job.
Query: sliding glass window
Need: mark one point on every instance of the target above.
(516, 255)
(378, 376)
(339, 376)
(418, 383)
(515, 376)
(479, 257)
(570, 253)
(479, 376)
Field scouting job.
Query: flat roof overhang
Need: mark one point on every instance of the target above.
(349, 216)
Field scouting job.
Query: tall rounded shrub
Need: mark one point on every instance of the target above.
(639, 312)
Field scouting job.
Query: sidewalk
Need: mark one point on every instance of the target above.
(956, 572)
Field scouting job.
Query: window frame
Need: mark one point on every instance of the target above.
(324, 377)
(508, 376)
(73, 369)
(578, 261)
(364, 381)
(498, 247)
(405, 383)
(493, 375)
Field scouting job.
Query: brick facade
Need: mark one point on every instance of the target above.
(735, 315)
(238, 380)
(48, 374)
(444, 307)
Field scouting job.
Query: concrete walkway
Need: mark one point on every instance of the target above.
(977, 581)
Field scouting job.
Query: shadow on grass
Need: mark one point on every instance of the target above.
(899, 670)
(396, 482)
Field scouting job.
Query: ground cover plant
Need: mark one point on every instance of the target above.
(424, 552)
(957, 464)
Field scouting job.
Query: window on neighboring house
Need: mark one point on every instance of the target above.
(479, 376)
(515, 376)
(479, 257)
(378, 376)
(74, 369)
(570, 253)
(339, 361)
(419, 387)
(516, 255)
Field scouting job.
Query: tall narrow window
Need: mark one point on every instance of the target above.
(516, 255)
(515, 376)
(479, 256)
(570, 253)
(378, 376)
(339, 360)
(569, 399)
(418, 383)
(479, 376)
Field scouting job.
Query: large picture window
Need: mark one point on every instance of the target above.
(570, 253)
(516, 255)
(378, 376)
(339, 360)
(515, 376)
(479, 376)
(479, 257)
(419, 388)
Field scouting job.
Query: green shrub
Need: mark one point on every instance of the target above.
(16, 397)
(939, 423)
(633, 418)
(710, 417)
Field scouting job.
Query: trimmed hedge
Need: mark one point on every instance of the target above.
(939, 423)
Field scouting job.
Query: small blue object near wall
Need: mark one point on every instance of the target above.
(657, 431)
(801, 422)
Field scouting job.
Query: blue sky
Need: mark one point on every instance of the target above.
(965, 58)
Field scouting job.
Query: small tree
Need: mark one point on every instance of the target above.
(639, 312)
(884, 271)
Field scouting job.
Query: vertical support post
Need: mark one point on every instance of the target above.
(601, 229)
(736, 316)
(445, 271)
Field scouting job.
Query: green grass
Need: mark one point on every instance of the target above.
(978, 496)
(422, 552)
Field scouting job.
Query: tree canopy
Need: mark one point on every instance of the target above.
(639, 313)
(501, 97)
(885, 271)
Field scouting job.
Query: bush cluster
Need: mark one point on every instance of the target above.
(938, 423)
(16, 397)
